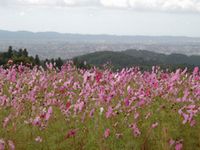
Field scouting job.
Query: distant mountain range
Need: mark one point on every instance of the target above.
(143, 51)
(66, 46)
(26, 35)
(144, 59)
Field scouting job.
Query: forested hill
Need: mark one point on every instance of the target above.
(165, 59)
(144, 59)
(116, 60)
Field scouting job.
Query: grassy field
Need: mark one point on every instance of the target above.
(99, 109)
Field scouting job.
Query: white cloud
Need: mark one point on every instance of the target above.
(39, 2)
(60, 2)
(155, 5)
(166, 5)
(22, 13)
(115, 3)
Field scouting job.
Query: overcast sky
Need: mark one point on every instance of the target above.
(121, 17)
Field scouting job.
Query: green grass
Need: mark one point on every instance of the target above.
(90, 132)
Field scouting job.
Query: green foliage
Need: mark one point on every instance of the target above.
(81, 64)
(143, 59)
(22, 57)
(37, 60)
(58, 63)
(17, 57)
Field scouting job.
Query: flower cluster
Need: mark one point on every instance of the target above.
(35, 96)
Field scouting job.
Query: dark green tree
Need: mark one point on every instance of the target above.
(59, 62)
(37, 60)
(20, 53)
(10, 52)
(25, 52)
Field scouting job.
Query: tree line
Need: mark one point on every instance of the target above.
(21, 56)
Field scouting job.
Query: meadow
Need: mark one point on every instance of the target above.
(77, 109)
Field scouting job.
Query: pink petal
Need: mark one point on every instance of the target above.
(107, 133)
(11, 145)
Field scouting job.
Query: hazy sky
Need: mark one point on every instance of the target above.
(122, 17)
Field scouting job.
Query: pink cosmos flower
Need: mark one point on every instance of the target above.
(186, 94)
(126, 101)
(186, 117)
(36, 121)
(86, 77)
(179, 146)
(81, 105)
(154, 125)
(98, 76)
(2, 144)
(136, 131)
(6, 121)
(192, 123)
(92, 112)
(71, 133)
(109, 112)
(141, 102)
(68, 104)
(136, 115)
(107, 133)
(11, 145)
(196, 70)
(49, 113)
(171, 142)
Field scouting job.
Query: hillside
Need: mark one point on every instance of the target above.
(143, 58)
(117, 59)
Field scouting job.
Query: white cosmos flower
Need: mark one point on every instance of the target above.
(101, 110)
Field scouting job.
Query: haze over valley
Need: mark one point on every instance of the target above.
(53, 44)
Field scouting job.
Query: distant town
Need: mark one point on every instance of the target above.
(67, 46)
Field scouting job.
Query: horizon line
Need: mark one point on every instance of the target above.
(101, 34)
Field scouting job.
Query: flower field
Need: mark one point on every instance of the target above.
(99, 109)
